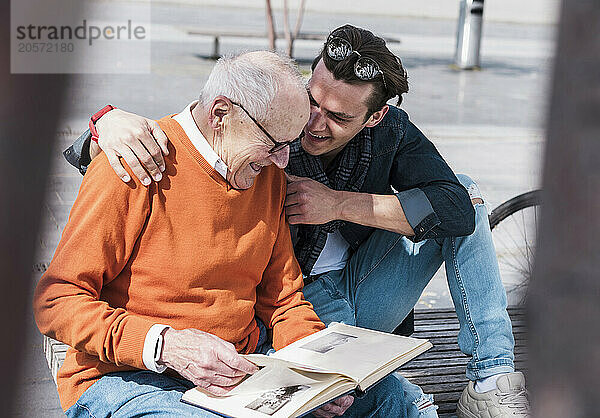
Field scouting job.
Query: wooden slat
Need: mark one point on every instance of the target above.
(520, 352)
(58, 359)
(451, 338)
(458, 376)
(449, 313)
(444, 371)
(55, 354)
(437, 388)
(453, 333)
(437, 324)
(413, 374)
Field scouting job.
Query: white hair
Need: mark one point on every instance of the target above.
(251, 79)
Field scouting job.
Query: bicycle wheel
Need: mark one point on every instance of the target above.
(514, 226)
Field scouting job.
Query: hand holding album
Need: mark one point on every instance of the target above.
(312, 371)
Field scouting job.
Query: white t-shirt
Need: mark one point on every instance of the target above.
(334, 255)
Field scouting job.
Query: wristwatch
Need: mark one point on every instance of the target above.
(158, 347)
(153, 347)
(95, 118)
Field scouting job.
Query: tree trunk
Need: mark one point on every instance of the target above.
(299, 19)
(289, 35)
(286, 28)
(270, 25)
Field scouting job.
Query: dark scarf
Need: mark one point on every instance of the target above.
(347, 172)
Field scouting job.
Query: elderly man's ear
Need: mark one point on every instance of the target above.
(220, 107)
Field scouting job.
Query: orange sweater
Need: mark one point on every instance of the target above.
(189, 252)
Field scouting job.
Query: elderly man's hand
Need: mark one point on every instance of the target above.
(335, 408)
(310, 202)
(204, 359)
(139, 140)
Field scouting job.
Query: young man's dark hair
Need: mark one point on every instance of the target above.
(389, 82)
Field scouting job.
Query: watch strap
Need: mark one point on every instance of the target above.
(95, 117)
(152, 350)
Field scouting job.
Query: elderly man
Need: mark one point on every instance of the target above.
(187, 273)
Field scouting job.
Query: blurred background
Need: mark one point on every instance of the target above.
(487, 122)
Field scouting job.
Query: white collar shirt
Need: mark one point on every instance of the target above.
(186, 120)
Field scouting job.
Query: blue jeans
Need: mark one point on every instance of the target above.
(142, 392)
(384, 278)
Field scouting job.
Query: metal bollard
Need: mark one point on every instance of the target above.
(468, 34)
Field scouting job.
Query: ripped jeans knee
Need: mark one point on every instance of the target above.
(471, 186)
(419, 404)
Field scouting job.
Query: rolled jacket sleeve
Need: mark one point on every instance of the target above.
(418, 211)
(78, 154)
(434, 202)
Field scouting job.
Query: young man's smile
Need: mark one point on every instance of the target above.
(338, 111)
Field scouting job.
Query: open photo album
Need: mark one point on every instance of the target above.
(313, 371)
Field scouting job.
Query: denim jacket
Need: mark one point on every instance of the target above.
(435, 204)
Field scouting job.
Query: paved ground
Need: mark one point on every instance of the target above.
(533, 11)
(486, 123)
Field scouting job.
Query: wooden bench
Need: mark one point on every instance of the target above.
(217, 34)
(55, 353)
(440, 371)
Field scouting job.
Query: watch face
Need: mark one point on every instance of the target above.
(158, 347)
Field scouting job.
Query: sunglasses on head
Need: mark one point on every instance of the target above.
(365, 68)
(278, 145)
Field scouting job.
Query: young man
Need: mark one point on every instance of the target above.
(378, 210)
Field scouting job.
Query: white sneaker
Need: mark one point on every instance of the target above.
(508, 400)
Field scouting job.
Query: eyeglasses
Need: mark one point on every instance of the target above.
(365, 68)
(278, 145)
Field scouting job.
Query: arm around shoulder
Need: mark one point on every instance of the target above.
(138, 140)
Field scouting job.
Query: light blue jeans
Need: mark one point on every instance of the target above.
(385, 277)
(145, 393)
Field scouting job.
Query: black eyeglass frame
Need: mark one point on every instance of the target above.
(278, 145)
(370, 61)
